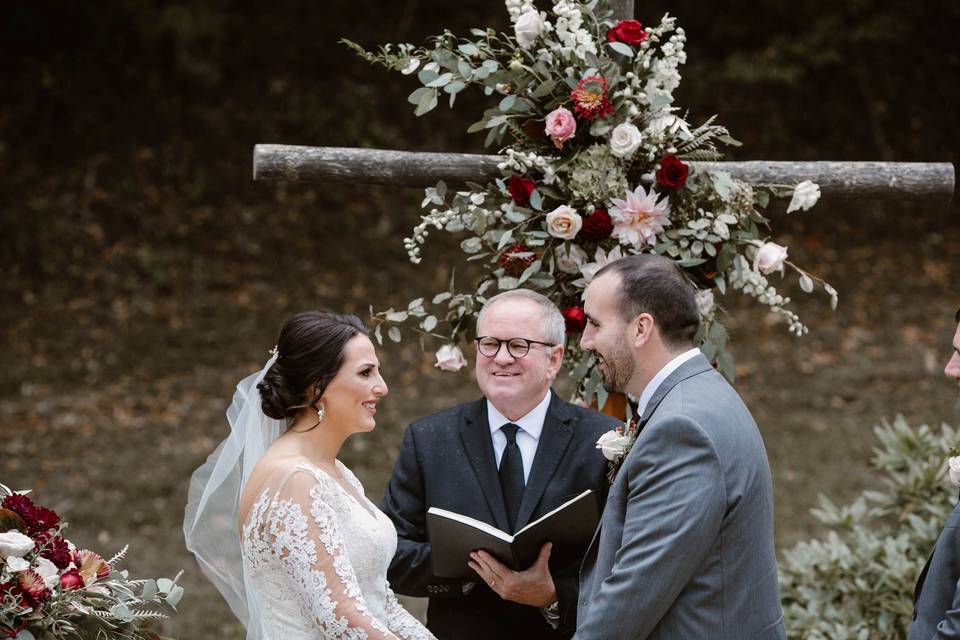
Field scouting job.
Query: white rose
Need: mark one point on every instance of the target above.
(569, 258)
(450, 358)
(770, 258)
(48, 571)
(953, 465)
(625, 140)
(705, 302)
(17, 564)
(613, 445)
(564, 222)
(14, 544)
(528, 27)
(805, 195)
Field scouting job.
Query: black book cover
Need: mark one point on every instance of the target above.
(453, 536)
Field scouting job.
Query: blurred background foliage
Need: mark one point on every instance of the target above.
(144, 272)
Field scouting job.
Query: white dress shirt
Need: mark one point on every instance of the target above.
(658, 379)
(528, 435)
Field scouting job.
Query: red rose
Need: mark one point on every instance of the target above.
(513, 264)
(628, 32)
(71, 580)
(575, 318)
(672, 173)
(520, 189)
(596, 227)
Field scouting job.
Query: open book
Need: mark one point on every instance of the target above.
(453, 536)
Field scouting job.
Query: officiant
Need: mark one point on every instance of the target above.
(505, 459)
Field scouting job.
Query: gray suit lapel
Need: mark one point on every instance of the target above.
(475, 434)
(554, 440)
(695, 365)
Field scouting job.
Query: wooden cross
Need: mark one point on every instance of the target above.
(927, 181)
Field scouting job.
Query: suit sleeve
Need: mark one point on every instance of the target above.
(404, 503)
(674, 508)
(949, 627)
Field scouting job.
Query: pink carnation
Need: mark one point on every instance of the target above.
(561, 126)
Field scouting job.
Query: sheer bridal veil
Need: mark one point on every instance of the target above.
(210, 523)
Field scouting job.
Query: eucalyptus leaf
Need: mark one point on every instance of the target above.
(806, 283)
(529, 271)
(536, 200)
(544, 89)
(477, 126)
(392, 316)
(468, 49)
(443, 296)
(455, 87)
(164, 585)
(441, 81)
(429, 323)
(173, 598)
(506, 283)
(149, 590)
(417, 95)
(427, 103)
(415, 304)
(471, 245)
(394, 334)
(427, 75)
(621, 48)
(24, 635)
(507, 103)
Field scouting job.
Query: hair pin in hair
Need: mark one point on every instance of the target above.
(275, 351)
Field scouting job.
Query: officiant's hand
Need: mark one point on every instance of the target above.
(533, 587)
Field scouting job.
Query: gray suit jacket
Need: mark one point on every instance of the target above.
(936, 608)
(685, 544)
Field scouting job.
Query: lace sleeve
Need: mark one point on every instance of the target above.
(402, 622)
(301, 526)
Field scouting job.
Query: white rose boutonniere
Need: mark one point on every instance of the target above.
(615, 445)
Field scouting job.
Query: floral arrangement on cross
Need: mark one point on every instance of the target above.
(597, 166)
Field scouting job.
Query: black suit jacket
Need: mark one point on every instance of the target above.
(936, 599)
(447, 461)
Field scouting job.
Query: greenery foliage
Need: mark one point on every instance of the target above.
(858, 582)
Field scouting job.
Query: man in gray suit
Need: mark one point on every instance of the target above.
(936, 600)
(684, 549)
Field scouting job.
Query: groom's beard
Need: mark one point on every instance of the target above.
(618, 370)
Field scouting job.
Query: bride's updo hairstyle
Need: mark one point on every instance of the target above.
(309, 355)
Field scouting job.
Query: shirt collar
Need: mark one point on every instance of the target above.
(532, 423)
(662, 375)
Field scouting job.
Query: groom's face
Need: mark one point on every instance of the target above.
(606, 333)
(953, 366)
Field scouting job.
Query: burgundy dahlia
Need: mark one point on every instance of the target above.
(54, 548)
(596, 227)
(513, 264)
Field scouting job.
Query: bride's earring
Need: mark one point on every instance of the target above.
(321, 413)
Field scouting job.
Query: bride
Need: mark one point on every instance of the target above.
(277, 523)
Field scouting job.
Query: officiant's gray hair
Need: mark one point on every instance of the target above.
(554, 326)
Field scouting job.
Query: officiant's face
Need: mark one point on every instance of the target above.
(953, 366)
(606, 333)
(513, 383)
(351, 397)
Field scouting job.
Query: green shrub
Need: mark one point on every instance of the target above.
(858, 582)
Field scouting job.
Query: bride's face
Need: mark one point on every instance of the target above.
(351, 397)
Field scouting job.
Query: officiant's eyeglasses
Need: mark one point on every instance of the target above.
(516, 347)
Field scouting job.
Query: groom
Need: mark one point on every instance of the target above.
(460, 460)
(685, 543)
(936, 605)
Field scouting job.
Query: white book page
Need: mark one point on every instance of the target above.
(547, 515)
(473, 522)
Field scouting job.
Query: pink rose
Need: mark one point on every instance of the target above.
(561, 126)
(450, 358)
(770, 258)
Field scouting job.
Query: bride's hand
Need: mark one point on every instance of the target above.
(532, 587)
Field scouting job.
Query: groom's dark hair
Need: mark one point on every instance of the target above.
(657, 285)
(309, 355)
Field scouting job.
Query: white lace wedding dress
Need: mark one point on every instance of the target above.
(317, 554)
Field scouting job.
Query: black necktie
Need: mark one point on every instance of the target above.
(511, 474)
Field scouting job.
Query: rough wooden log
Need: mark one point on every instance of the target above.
(932, 181)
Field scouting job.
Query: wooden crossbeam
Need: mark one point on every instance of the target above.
(925, 181)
